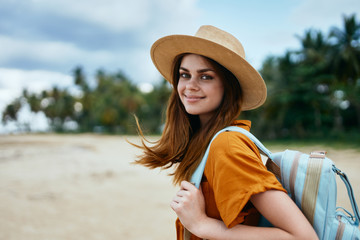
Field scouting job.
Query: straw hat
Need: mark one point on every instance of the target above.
(218, 45)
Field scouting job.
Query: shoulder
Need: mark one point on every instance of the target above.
(233, 150)
(233, 141)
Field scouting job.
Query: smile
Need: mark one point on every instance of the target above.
(190, 98)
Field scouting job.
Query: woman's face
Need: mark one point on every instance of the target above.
(200, 86)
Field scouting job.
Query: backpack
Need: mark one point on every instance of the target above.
(310, 182)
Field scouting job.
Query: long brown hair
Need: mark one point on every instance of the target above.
(183, 142)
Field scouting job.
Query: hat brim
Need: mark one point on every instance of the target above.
(165, 50)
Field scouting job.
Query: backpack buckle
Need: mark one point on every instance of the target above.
(318, 154)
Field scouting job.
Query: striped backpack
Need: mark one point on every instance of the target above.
(310, 182)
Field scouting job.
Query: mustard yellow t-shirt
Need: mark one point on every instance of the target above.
(233, 173)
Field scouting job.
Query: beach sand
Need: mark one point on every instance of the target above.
(84, 187)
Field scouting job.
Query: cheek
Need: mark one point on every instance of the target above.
(180, 87)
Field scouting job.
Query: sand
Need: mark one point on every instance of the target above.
(84, 187)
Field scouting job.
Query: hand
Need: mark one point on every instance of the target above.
(189, 205)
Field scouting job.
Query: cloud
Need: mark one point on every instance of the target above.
(74, 20)
(42, 41)
(33, 79)
(51, 55)
(113, 15)
(322, 14)
(61, 34)
(13, 81)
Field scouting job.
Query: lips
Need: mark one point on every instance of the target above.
(193, 98)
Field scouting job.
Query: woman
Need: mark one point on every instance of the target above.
(212, 84)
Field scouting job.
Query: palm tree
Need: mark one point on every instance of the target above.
(314, 68)
(346, 60)
(346, 55)
(11, 111)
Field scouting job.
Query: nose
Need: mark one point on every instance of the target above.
(192, 84)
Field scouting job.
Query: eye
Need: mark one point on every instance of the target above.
(206, 77)
(184, 75)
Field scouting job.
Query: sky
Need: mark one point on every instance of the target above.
(42, 41)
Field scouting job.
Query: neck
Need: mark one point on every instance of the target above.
(204, 120)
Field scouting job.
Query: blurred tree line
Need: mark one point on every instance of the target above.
(107, 107)
(312, 92)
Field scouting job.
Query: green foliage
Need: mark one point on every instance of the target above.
(313, 92)
(111, 105)
(11, 110)
(107, 107)
(152, 112)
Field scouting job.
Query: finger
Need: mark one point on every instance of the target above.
(177, 199)
(183, 193)
(174, 206)
(185, 185)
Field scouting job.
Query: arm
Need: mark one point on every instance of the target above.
(276, 206)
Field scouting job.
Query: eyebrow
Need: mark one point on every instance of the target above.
(199, 71)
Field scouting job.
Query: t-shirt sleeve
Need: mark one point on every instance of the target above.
(236, 172)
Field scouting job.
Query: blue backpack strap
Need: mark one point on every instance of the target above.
(197, 175)
(350, 193)
(259, 145)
